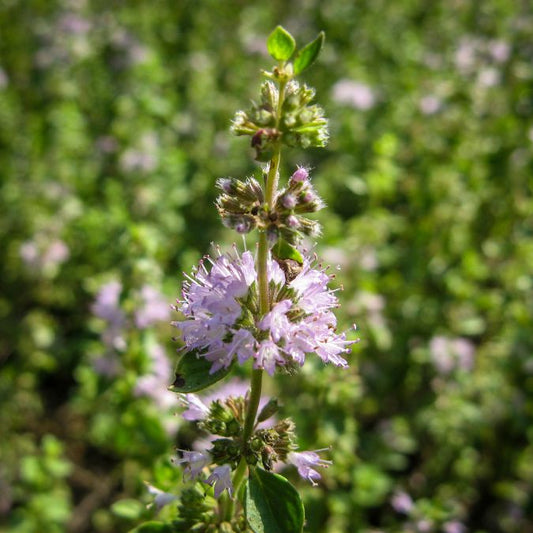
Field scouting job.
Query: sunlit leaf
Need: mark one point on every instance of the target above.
(281, 44)
(308, 54)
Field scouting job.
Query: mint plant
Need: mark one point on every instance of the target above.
(268, 309)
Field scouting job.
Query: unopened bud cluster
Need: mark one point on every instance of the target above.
(267, 446)
(242, 207)
(300, 124)
(197, 516)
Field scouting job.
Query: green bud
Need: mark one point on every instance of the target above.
(270, 409)
(233, 428)
(218, 411)
(225, 527)
(269, 96)
(216, 427)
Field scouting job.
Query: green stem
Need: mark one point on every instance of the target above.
(253, 405)
(271, 185)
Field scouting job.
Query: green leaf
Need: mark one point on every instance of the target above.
(308, 54)
(192, 374)
(281, 44)
(153, 527)
(129, 509)
(272, 504)
(283, 250)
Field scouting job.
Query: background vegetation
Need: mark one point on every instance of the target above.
(113, 129)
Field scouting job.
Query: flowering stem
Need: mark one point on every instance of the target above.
(262, 275)
(271, 184)
(264, 307)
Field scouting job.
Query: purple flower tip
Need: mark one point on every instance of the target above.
(301, 174)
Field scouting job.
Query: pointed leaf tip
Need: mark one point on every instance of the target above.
(281, 44)
(308, 54)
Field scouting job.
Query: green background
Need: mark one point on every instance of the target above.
(114, 124)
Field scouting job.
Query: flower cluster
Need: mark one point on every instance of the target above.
(301, 125)
(242, 207)
(270, 445)
(222, 321)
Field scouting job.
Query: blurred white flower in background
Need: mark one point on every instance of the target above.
(450, 354)
(430, 104)
(354, 93)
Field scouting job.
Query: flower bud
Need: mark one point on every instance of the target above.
(225, 184)
(288, 201)
(270, 409)
(310, 227)
(244, 225)
(269, 95)
(216, 427)
(292, 222)
(225, 451)
(301, 174)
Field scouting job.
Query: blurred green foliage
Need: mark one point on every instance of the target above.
(113, 129)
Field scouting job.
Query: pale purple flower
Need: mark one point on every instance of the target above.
(107, 365)
(221, 322)
(107, 305)
(29, 253)
(453, 526)
(499, 50)
(137, 160)
(143, 157)
(155, 384)
(154, 307)
(55, 254)
(243, 345)
(196, 409)
(355, 94)
(373, 304)
(369, 259)
(74, 24)
(306, 462)
(430, 104)
(106, 144)
(276, 321)
(402, 502)
(424, 525)
(44, 256)
(220, 479)
(465, 55)
(488, 77)
(268, 356)
(161, 499)
(449, 354)
(194, 463)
